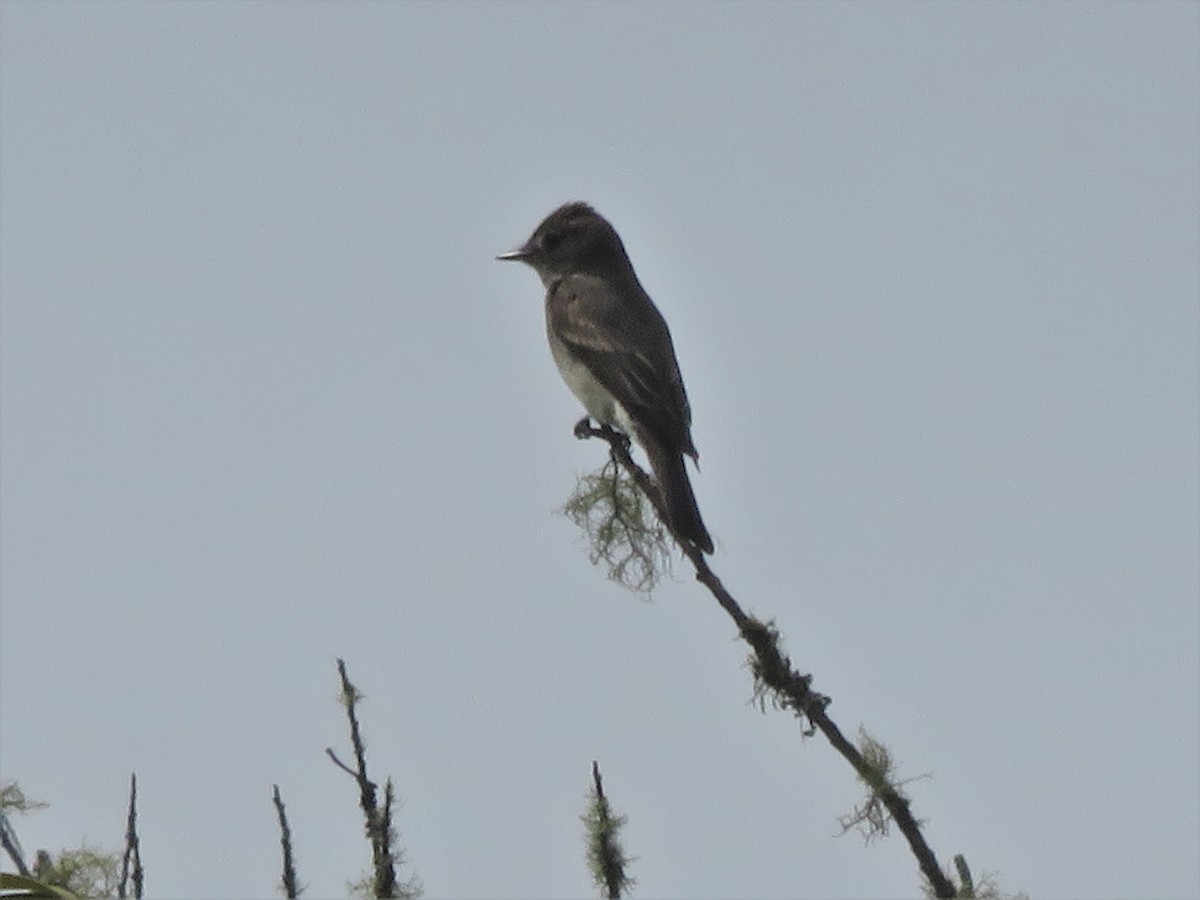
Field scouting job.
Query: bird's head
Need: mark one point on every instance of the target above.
(571, 240)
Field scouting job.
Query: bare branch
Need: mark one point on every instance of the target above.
(11, 845)
(288, 879)
(131, 862)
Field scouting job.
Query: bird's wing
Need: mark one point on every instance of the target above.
(628, 349)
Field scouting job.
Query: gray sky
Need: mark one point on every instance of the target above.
(932, 273)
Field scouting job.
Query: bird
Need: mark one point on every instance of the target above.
(614, 350)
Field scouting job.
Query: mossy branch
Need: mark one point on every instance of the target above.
(606, 857)
(775, 678)
(385, 855)
(624, 532)
(13, 799)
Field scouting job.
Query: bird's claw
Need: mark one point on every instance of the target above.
(584, 429)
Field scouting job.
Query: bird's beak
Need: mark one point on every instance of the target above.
(520, 254)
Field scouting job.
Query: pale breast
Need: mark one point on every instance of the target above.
(600, 404)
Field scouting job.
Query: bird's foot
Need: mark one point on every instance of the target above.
(584, 429)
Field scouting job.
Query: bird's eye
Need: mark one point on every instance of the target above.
(550, 240)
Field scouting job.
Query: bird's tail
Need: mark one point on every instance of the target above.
(673, 481)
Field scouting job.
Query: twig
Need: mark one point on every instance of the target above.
(776, 671)
(605, 854)
(964, 876)
(131, 862)
(377, 819)
(345, 768)
(290, 886)
(12, 846)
